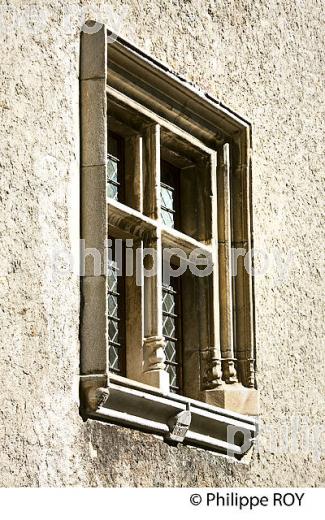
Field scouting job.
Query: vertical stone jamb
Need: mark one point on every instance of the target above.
(93, 70)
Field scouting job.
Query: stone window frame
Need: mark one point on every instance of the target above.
(119, 73)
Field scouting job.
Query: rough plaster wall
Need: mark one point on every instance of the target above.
(263, 59)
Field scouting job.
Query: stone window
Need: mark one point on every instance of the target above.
(165, 169)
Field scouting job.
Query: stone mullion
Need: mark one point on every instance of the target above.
(151, 171)
(134, 316)
(225, 275)
(154, 372)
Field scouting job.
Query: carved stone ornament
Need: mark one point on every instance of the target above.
(154, 353)
(229, 371)
(212, 372)
(179, 426)
(97, 397)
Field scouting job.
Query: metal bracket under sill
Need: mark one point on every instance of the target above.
(176, 418)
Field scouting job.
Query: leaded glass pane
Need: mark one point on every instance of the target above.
(169, 326)
(168, 302)
(114, 359)
(173, 379)
(115, 317)
(167, 218)
(167, 197)
(112, 306)
(112, 192)
(112, 277)
(170, 194)
(113, 331)
(170, 351)
(114, 166)
(171, 331)
(167, 205)
(112, 178)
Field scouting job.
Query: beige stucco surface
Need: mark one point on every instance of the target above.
(262, 58)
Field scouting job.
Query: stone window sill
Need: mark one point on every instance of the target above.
(176, 418)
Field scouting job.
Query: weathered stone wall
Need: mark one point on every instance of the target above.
(262, 58)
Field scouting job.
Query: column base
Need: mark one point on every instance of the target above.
(236, 398)
(157, 378)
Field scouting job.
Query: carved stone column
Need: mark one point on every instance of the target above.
(245, 347)
(213, 373)
(154, 344)
(225, 274)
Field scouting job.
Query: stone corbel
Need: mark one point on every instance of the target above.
(179, 425)
(94, 392)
